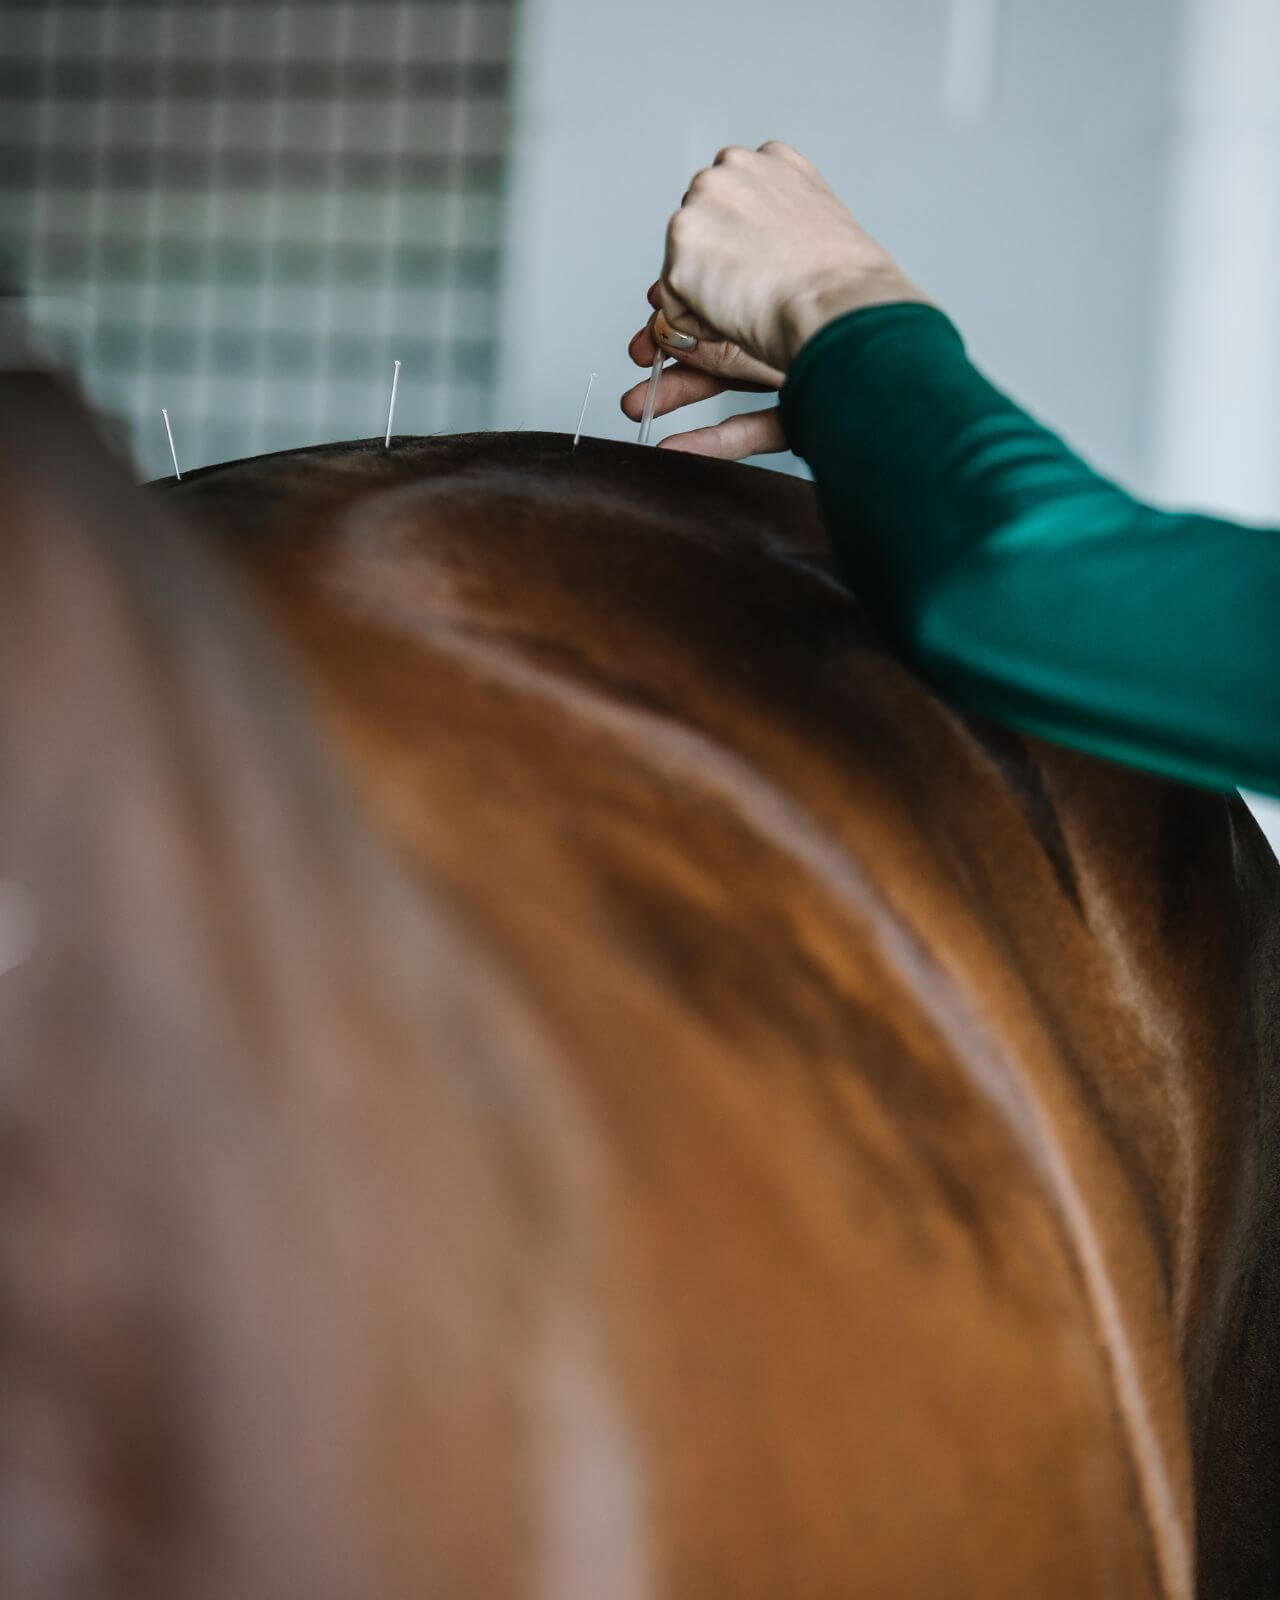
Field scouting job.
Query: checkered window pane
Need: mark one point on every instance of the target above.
(246, 212)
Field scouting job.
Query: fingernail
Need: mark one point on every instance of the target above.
(665, 334)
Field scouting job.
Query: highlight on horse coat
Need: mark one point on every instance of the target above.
(545, 1062)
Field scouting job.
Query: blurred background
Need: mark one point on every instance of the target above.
(244, 212)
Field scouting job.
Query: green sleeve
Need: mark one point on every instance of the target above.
(1020, 582)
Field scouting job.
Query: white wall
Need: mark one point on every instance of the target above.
(1219, 371)
(1104, 230)
(1037, 225)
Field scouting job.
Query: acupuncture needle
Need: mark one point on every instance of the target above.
(165, 414)
(651, 396)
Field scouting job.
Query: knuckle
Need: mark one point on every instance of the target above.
(780, 150)
(674, 284)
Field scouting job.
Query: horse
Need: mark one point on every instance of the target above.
(539, 1058)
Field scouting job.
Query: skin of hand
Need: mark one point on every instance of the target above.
(759, 257)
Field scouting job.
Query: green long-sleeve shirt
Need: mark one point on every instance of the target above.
(1018, 580)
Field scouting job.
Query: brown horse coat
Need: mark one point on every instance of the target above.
(702, 1118)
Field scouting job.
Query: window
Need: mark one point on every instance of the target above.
(246, 212)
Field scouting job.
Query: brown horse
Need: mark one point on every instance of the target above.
(659, 1106)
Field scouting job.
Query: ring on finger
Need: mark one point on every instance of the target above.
(665, 334)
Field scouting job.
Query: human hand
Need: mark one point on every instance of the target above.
(713, 366)
(760, 255)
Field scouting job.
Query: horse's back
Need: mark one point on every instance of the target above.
(707, 1118)
(888, 1273)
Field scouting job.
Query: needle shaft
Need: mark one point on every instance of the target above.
(651, 397)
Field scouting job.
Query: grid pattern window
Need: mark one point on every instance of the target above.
(246, 212)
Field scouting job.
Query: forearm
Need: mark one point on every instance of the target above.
(1021, 582)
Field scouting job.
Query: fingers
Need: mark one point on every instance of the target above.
(668, 301)
(754, 433)
(737, 155)
(729, 361)
(678, 386)
(715, 356)
(679, 316)
(667, 336)
(643, 350)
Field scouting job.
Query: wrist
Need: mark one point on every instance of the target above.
(810, 309)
